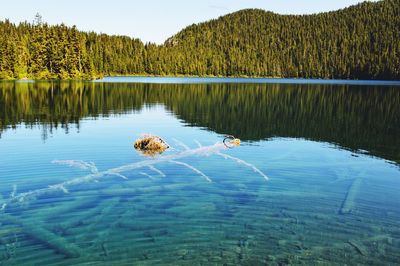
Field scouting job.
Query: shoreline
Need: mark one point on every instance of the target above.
(180, 79)
(203, 77)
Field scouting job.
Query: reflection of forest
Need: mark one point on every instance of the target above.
(355, 117)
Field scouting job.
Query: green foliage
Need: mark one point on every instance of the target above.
(359, 42)
(41, 51)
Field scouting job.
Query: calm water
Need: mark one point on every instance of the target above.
(73, 191)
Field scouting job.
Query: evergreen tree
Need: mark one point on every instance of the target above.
(359, 42)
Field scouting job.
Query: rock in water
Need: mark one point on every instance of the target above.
(150, 145)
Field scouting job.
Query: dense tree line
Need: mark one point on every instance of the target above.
(41, 51)
(360, 42)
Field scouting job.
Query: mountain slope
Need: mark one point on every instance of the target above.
(361, 41)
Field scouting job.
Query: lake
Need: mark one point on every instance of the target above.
(315, 180)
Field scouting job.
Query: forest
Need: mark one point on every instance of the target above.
(358, 42)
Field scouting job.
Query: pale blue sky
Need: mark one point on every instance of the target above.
(149, 20)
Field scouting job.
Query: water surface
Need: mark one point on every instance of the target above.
(331, 152)
(202, 80)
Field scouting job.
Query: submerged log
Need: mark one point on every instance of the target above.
(44, 236)
(348, 203)
(129, 191)
(83, 218)
(359, 247)
(69, 206)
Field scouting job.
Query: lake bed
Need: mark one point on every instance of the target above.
(331, 153)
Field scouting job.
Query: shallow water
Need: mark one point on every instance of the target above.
(331, 153)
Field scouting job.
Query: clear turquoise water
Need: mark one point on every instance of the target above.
(330, 151)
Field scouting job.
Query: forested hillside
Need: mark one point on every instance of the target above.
(359, 42)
